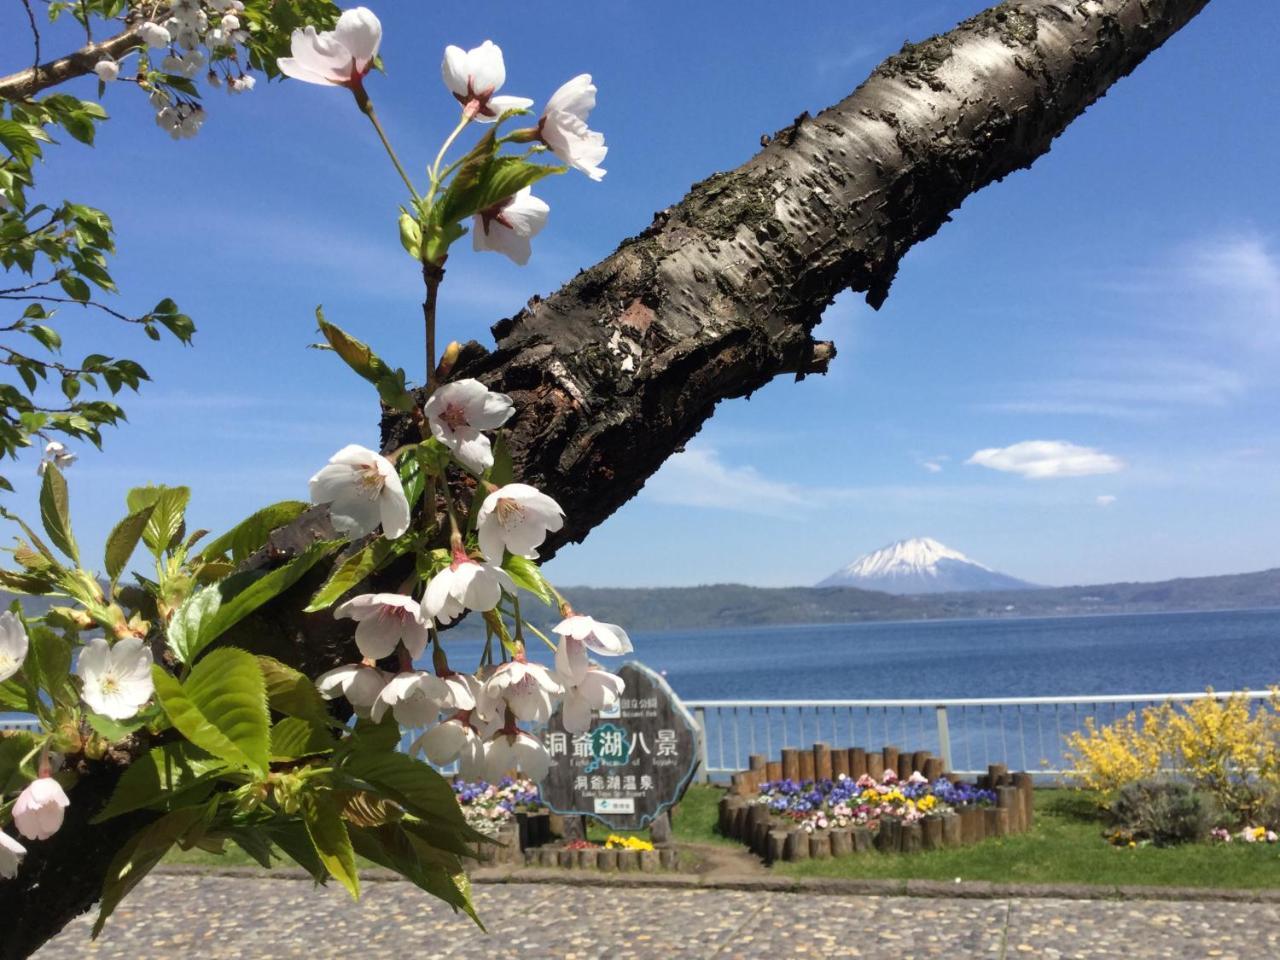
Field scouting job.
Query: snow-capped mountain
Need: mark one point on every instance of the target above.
(920, 565)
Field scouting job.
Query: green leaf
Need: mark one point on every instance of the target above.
(55, 514)
(166, 522)
(49, 663)
(156, 776)
(13, 696)
(185, 633)
(74, 287)
(330, 839)
(123, 539)
(250, 534)
(409, 782)
(355, 568)
(221, 707)
(292, 694)
(292, 838)
(528, 575)
(113, 729)
(253, 842)
(359, 357)
(14, 746)
(141, 854)
(293, 738)
(394, 847)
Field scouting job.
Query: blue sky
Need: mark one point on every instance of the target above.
(1123, 296)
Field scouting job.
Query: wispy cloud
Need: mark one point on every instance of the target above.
(1104, 499)
(698, 478)
(1042, 459)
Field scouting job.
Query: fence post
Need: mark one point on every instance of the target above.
(944, 738)
(700, 716)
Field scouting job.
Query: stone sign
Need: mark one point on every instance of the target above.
(634, 763)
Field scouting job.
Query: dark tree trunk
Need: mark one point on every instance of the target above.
(621, 367)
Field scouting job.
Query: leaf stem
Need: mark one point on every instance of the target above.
(366, 107)
(444, 148)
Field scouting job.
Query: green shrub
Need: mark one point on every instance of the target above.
(1165, 812)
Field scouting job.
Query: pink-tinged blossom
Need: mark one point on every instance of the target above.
(40, 808)
(474, 586)
(563, 127)
(384, 620)
(459, 412)
(595, 691)
(516, 750)
(13, 644)
(11, 854)
(528, 689)
(358, 683)
(454, 739)
(415, 698)
(363, 490)
(516, 517)
(474, 76)
(580, 634)
(508, 227)
(340, 57)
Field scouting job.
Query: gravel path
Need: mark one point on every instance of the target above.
(206, 916)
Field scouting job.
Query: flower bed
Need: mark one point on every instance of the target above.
(488, 807)
(845, 802)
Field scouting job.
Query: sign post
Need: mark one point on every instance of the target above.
(632, 765)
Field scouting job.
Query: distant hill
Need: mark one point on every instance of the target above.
(920, 565)
(735, 605)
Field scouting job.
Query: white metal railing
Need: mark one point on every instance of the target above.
(1023, 733)
(19, 723)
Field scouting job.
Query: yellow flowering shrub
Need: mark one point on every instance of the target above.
(616, 842)
(1228, 747)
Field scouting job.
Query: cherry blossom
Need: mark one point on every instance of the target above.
(359, 683)
(474, 76)
(516, 517)
(527, 689)
(362, 489)
(385, 619)
(11, 854)
(508, 226)
(340, 57)
(513, 749)
(414, 697)
(453, 739)
(107, 70)
(474, 586)
(594, 691)
(154, 35)
(117, 679)
(13, 644)
(457, 413)
(58, 455)
(563, 127)
(39, 809)
(580, 634)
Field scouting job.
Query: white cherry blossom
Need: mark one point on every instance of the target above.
(516, 517)
(474, 586)
(154, 35)
(594, 691)
(453, 739)
(339, 57)
(458, 412)
(359, 683)
(474, 76)
(415, 698)
(58, 455)
(563, 127)
(509, 226)
(578, 634)
(362, 489)
(385, 619)
(117, 679)
(11, 854)
(13, 644)
(528, 689)
(107, 70)
(514, 749)
(40, 808)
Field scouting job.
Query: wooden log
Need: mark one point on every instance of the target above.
(931, 832)
(952, 835)
(918, 761)
(757, 821)
(649, 861)
(819, 845)
(774, 770)
(1008, 800)
(797, 846)
(904, 766)
(758, 762)
(669, 858)
(739, 786)
(738, 829)
(841, 842)
(839, 763)
(1027, 793)
(821, 761)
(932, 769)
(806, 765)
(626, 862)
(911, 838)
(607, 860)
(585, 858)
(996, 773)
(760, 838)
(790, 763)
(566, 858)
(548, 857)
(522, 826)
(875, 766)
(777, 846)
(973, 825)
(728, 805)
(997, 821)
(857, 762)
(530, 858)
(889, 758)
(889, 836)
(864, 840)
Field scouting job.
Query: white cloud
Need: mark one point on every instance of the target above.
(931, 465)
(698, 478)
(1104, 499)
(1039, 459)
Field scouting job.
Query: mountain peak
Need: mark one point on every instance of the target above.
(920, 565)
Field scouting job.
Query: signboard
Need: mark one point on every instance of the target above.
(634, 762)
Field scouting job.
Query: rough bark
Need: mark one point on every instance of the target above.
(27, 83)
(617, 370)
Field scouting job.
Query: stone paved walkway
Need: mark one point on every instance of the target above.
(179, 916)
